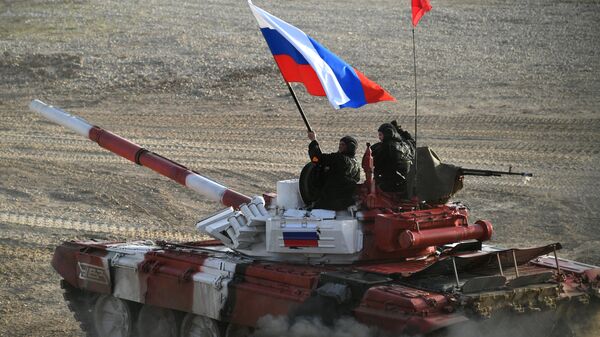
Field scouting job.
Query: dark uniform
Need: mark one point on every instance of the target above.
(392, 159)
(339, 174)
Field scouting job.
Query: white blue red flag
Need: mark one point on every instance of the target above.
(302, 59)
(301, 239)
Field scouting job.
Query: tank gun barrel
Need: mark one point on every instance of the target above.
(490, 173)
(141, 156)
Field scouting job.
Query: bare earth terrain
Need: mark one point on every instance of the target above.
(500, 83)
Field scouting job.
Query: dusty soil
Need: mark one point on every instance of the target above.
(505, 83)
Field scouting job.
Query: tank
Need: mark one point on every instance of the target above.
(399, 267)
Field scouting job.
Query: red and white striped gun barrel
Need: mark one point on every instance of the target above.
(141, 156)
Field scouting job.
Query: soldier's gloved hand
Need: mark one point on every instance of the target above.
(312, 135)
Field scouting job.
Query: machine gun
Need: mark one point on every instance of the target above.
(490, 173)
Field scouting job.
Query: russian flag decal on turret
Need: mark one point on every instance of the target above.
(301, 239)
(302, 59)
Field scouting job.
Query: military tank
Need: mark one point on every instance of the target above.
(410, 267)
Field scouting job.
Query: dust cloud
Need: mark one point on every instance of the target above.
(540, 324)
(270, 326)
(568, 321)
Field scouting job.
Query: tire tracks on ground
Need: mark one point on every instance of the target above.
(87, 226)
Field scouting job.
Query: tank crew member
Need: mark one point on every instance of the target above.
(392, 158)
(405, 135)
(339, 175)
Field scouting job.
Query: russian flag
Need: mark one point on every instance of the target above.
(302, 59)
(300, 239)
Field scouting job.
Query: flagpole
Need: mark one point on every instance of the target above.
(416, 101)
(299, 106)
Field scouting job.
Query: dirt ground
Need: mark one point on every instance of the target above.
(500, 83)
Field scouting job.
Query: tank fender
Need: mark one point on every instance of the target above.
(64, 261)
(180, 280)
(94, 272)
(83, 266)
(262, 289)
(406, 310)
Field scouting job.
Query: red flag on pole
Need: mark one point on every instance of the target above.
(419, 8)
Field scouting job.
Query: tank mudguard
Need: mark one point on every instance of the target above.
(405, 310)
(83, 266)
(269, 289)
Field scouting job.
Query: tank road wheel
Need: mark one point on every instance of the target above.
(112, 317)
(156, 322)
(81, 304)
(199, 326)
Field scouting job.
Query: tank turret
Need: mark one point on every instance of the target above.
(289, 231)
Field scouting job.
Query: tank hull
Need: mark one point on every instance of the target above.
(411, 297)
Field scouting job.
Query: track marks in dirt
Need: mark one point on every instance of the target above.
(510, 144)
(93, 227)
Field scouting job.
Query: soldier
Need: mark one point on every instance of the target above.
(392, 158)
(339, 173)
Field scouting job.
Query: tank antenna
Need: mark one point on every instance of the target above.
(414, 191)
(419, 8)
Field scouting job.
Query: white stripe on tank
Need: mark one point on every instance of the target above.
(58, 116)
(204, 186)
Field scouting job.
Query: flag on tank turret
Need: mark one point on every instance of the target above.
(302, 59)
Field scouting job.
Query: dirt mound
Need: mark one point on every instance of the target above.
(40, 67)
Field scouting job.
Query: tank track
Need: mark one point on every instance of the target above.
(573, 319)
(81, 304)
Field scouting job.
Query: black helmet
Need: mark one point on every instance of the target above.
(389, 131)
(351, 145)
